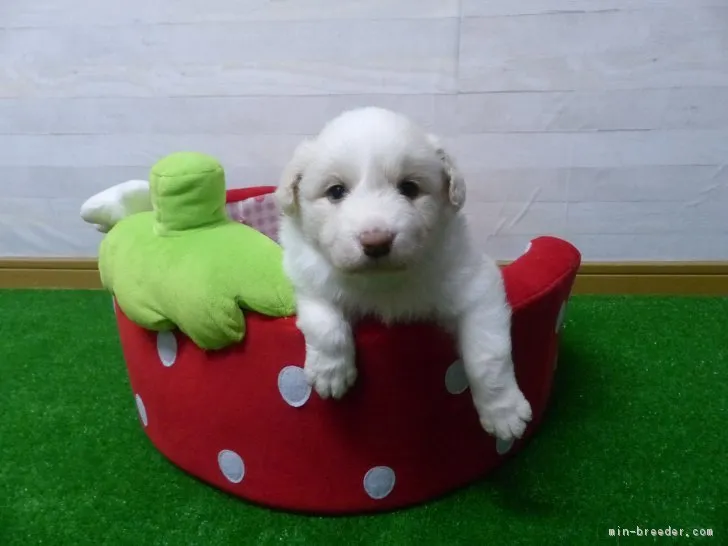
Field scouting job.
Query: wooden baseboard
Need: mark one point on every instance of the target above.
(688, 278)
(675, 278)
(51, 273)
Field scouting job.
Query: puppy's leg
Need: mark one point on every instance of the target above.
(485, 345)
(330, 366)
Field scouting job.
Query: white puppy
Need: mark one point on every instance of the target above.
(372, 226)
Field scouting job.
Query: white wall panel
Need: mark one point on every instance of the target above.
(491, 8)
(45, 227)
(651, 247)
(231, 59)
(609, 49)
(585, 111)
(516, 184)
(684, 184)
(80, 182)
(517, 218)
(145, 149)
(591, 149)
(79, 79)
(662, 217)
(375, 43)
(605, 122)
(55, 13)
(267, 115)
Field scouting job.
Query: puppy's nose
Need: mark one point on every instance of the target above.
(376, 243)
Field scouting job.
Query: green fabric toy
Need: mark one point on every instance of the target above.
(187, 265)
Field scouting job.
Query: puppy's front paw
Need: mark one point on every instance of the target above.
(330, 377)
(507, 415)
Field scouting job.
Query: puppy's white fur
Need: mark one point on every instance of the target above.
(433, 272)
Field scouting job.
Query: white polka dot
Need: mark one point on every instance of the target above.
(293, 386)
(528, 247)
(456, 381)
(167, 348)
(379, 482)
(561, 317)
(503, 446)
(231, 465)
(142, 410)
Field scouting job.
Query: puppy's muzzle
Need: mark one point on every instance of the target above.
(376, 243)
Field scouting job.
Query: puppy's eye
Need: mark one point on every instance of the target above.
(336, 192)
(409, 189)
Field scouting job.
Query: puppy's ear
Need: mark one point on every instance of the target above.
(455, 183)
(287, 191)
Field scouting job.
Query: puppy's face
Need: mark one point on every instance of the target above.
(371, 191)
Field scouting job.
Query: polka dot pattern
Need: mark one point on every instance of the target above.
(293, 386)
(503, 446)
(142, 410)
(231, 465)
(561, 317)
(238, 466)
(379, 482)
(456, 381)
(167, 348)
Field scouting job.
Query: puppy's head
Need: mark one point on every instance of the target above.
(371, 191)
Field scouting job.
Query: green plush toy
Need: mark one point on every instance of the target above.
(185, 264)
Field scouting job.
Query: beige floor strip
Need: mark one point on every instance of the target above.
(699, 278)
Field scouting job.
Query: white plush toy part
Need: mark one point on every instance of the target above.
(105, 209)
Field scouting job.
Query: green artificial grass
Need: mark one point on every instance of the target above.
(635, 437)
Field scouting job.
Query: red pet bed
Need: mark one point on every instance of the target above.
(244, 420)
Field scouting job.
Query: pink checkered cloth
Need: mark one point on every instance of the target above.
(259, 212)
